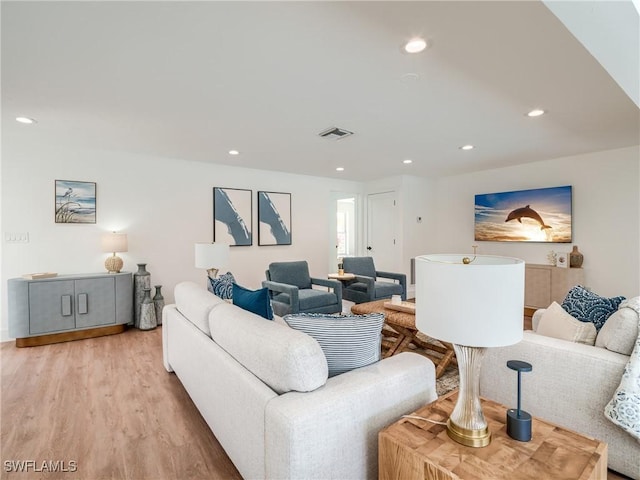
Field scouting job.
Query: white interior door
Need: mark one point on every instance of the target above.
(345, 225)
(382, 229)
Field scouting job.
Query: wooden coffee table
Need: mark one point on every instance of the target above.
(413, 449)
(401, 335)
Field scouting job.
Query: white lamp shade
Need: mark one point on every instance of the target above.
(480, 304)
(114, 242)
(211, 255)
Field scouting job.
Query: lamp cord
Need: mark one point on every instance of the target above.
(416, 417)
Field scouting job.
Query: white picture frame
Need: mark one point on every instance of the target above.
(563, 260)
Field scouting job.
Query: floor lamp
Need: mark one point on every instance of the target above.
(474, 303)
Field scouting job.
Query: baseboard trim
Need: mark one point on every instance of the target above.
(69, 336)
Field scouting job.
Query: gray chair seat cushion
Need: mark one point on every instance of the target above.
(309, 298)
(382, 289)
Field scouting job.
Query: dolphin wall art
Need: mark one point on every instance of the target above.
(541, 214)
(528, 212)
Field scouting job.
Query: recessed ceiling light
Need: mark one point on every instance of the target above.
(536, 113)
(234, 152)
(26, 120)
(407, 161)
(467, 147)
(339, 169)
(415, 45)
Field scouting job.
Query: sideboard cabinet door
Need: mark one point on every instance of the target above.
(51, 307)
(95, 302)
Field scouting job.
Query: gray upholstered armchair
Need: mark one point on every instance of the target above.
(366, 287)
(290, 286)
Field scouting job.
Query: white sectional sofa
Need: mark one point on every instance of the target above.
(262, 388)
(570, 384)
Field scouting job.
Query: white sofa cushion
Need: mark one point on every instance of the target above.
(557, 323)
(196, 304)
(619, 332)
(289, 360)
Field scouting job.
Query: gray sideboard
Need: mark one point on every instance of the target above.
(68, 307)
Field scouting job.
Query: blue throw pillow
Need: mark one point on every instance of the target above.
(254, 301)
(347, 341)
(222, 286)
(587, 306)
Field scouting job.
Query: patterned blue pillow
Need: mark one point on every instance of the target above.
(587, 306)
(222, 286)
(347, 341)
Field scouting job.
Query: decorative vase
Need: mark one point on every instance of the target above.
(158, 303)
(147, 312)
(575, 258)
(141, 280)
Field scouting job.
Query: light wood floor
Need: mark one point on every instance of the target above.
(108, 405)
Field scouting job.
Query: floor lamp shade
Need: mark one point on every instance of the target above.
(211, 256)
(473, 303)
(114, 243)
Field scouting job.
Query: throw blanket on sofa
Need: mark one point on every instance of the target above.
(624, 407)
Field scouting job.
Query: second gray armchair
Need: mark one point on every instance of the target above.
(291, 289)
(366, 287)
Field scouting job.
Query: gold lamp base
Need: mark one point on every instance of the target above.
(113, 264)
(470, 438)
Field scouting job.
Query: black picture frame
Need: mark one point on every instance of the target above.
(232, 216)
(274, 218)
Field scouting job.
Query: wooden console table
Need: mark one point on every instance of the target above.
(412, 449)
(401, 335)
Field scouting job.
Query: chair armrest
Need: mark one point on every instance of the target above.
(335, 284)
(400, 277)
(290, 290)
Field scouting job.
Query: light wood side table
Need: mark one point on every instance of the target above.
(341, 277)
(413, 449)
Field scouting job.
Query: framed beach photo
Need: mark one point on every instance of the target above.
(75, 202)
(537, 215)
(274, 218)
(232, 216)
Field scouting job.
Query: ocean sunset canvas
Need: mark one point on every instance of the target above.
(538, 215)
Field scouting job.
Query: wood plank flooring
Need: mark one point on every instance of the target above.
(108, 405)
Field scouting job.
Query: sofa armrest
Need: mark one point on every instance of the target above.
(570, 384)
(332, 432)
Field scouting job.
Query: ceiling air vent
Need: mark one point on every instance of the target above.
(335, 133)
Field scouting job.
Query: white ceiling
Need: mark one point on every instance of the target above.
(192, 80)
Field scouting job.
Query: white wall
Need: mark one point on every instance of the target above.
(164, 206)
(606, 214)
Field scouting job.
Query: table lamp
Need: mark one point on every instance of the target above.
(114, 243)
(211, 256)
(474, 303)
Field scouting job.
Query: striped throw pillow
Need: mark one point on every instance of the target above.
(348, 341)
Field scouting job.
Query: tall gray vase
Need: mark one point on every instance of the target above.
(141, 280)
(158, 303)
(147, 312)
